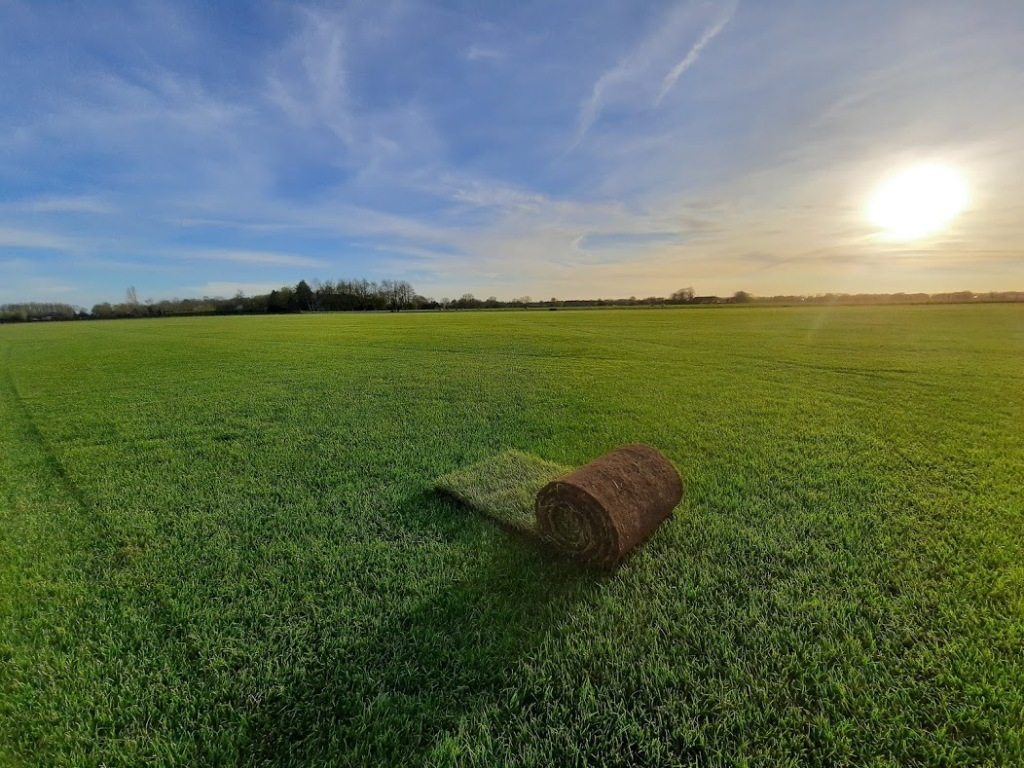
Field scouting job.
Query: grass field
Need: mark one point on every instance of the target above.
(219, 542)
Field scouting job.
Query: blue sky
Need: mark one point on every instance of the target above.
(569, 149)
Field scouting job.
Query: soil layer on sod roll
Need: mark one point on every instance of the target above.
(603, 510)
(503, 487)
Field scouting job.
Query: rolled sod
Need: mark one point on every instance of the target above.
(599, 512)
(605, 509)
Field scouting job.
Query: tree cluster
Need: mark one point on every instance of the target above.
(22, 313)
(346, 295)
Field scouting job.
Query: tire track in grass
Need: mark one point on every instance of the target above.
(48, 599)
(85, 675)
(34, 571)
(31, 429)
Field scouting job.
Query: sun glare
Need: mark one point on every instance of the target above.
(917, 201)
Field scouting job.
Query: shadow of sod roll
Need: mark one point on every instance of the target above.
(602, 511)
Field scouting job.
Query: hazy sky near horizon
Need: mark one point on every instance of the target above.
(569, 149)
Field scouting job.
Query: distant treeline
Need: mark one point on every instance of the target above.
(34, 310)
(398, 295)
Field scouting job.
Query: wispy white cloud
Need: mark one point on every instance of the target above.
(34, 288)
(229, 288)
(635, 74)
(308, 79)
(23, 238)
(252, 258)
(155, 110)
(61, 204)
(483, 53)
(480, 193)
(622, 74)
(694, 53)
(312, 96)
(590, 109)
(416, 252)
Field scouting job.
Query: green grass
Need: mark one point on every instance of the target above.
(220, 544)
(503, 487)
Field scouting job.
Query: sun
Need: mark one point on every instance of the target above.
(918, 201)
